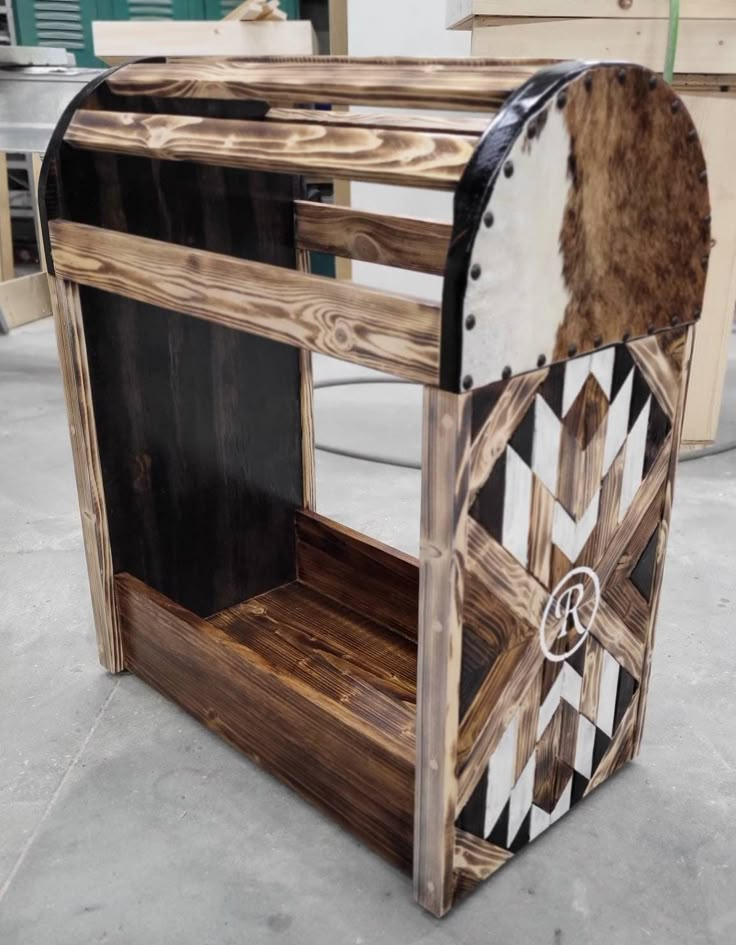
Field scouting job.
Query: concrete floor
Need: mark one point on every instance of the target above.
(123, 821)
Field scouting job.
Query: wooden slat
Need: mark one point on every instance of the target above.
(87, 470)
(358, 571)
(392, 334)
(621, 749)
(475, 859)
(356, 765)
(23, 300)
(445, 477)
(474, 85)
(7, 269)
(306, 403)
(473, 127)
(405, 242)
(409, 158)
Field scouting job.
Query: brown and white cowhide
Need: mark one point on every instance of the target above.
(596, 230)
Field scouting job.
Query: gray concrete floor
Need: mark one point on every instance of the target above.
(124, 821)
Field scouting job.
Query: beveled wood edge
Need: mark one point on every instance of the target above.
(403, 242)
(477, 859)
(390, 333)
(87, 469)
(445, 481)
(306, 406)
(434, 160)
(401, 559)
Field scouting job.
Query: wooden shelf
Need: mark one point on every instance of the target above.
(310, 688)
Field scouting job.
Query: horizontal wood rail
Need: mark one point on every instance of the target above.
(475, 85)
(426, 122)
(389, 333)
(404, 242)
(409, 158)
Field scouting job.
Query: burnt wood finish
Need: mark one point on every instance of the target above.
(289, 709)
(359, 572)
(381, 155)
(475, 85)
(447, 710)
(88, 473)
(404, 242)
(388, 333)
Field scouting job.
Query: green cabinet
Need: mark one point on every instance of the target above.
(68, 23)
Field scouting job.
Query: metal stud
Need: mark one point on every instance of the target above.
(470, 322)
(703, 175)
(652, 82)
(692, 134)
(508, 168)
(541, 360)
(467, 382)
(621, 76)
(675, 319)
(675, 105)
(697, 312)
(475, 271)
(705, 260)
(488, 219)
(572, 351)
(588, 81)
(597, 341)
(707, 220)
(651, 328)
(506, 373)
(626, 336)
(562, 99)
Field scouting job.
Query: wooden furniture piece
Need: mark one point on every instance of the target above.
(705, 74)
(446, 710)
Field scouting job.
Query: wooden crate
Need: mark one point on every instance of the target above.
(449, 709)
(705, 73)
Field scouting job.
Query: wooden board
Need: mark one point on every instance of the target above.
(118, 40)
(460, 13)
(405, 242)
(365, 575)
(532, 278)
(473, 127)
(24, 300)
(250, 677)
(445, 84)
(410, 158)
(7, 268)
(389, 333)
(707, 45)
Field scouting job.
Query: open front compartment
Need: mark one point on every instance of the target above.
(315, 679)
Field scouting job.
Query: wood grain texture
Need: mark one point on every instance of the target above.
(87, 470)
(475, 860)
(306, 401)
(445, 480)
(621, 749)
(473, 127)
(505, 417)
(383, 155)
(392, 83)
(393, 334)
(316, 740)
(405, 242)
(662, 377)
(359, 572)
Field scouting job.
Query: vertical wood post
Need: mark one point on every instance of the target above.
(445, 481)
(306, 398)
(87, 469)
(7, 270)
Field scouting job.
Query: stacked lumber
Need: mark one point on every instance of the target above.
(257, 10)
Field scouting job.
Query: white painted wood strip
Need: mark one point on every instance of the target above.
(601, 368)
(570, 536)
(521, 798)
(563, 805)
(584, 747)
(549, 706)
(572, 685)
(636, 445)
(501, 770)
(607, 694)
(517, 507)
(539, 822)
(576, 374)
(546, 445)
(617, 422)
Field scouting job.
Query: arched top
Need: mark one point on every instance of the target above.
(582, 220)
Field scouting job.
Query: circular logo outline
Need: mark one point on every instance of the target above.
(569, 611)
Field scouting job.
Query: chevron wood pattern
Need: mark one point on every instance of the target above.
(571, 470)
